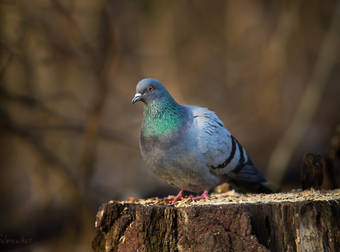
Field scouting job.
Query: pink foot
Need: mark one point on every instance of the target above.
(203, 196)
(178, 197)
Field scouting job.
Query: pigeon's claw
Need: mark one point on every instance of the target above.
(178, 197)
(204, 195)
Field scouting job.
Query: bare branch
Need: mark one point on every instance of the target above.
(30, 101)
(39, 145)
(309, 102)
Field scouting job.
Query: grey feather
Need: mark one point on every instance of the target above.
(200, 154)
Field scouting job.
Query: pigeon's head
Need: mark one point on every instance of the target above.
(149, 90)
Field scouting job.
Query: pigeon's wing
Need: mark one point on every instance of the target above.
(224, 155)
(213, 140)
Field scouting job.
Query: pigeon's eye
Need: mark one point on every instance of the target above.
(150, 88)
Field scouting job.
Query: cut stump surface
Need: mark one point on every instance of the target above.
(296, 221)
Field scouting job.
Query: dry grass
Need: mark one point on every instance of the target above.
(233, 197)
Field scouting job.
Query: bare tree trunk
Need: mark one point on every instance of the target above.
(302, 221)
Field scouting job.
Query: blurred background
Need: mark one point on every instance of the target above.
(68, 69)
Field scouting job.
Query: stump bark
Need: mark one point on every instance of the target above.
(297, 221)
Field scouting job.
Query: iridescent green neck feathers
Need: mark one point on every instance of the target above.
(162, 118)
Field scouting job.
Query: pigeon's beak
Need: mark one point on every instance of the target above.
(137, 98)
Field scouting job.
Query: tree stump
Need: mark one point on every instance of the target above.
(296, 221)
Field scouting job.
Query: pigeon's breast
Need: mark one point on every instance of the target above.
(175, 160)
(150, 144)
(157, 150)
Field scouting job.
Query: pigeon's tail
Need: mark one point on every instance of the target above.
(248, 180)
(262, 188)
(247, 187)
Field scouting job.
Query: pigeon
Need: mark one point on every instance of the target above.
(189, 147)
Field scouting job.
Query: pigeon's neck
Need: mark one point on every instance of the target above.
(162, 118)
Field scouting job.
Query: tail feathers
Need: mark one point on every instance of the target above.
(262, 188)
(248, 179)
(248, 173)
(247, 187)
